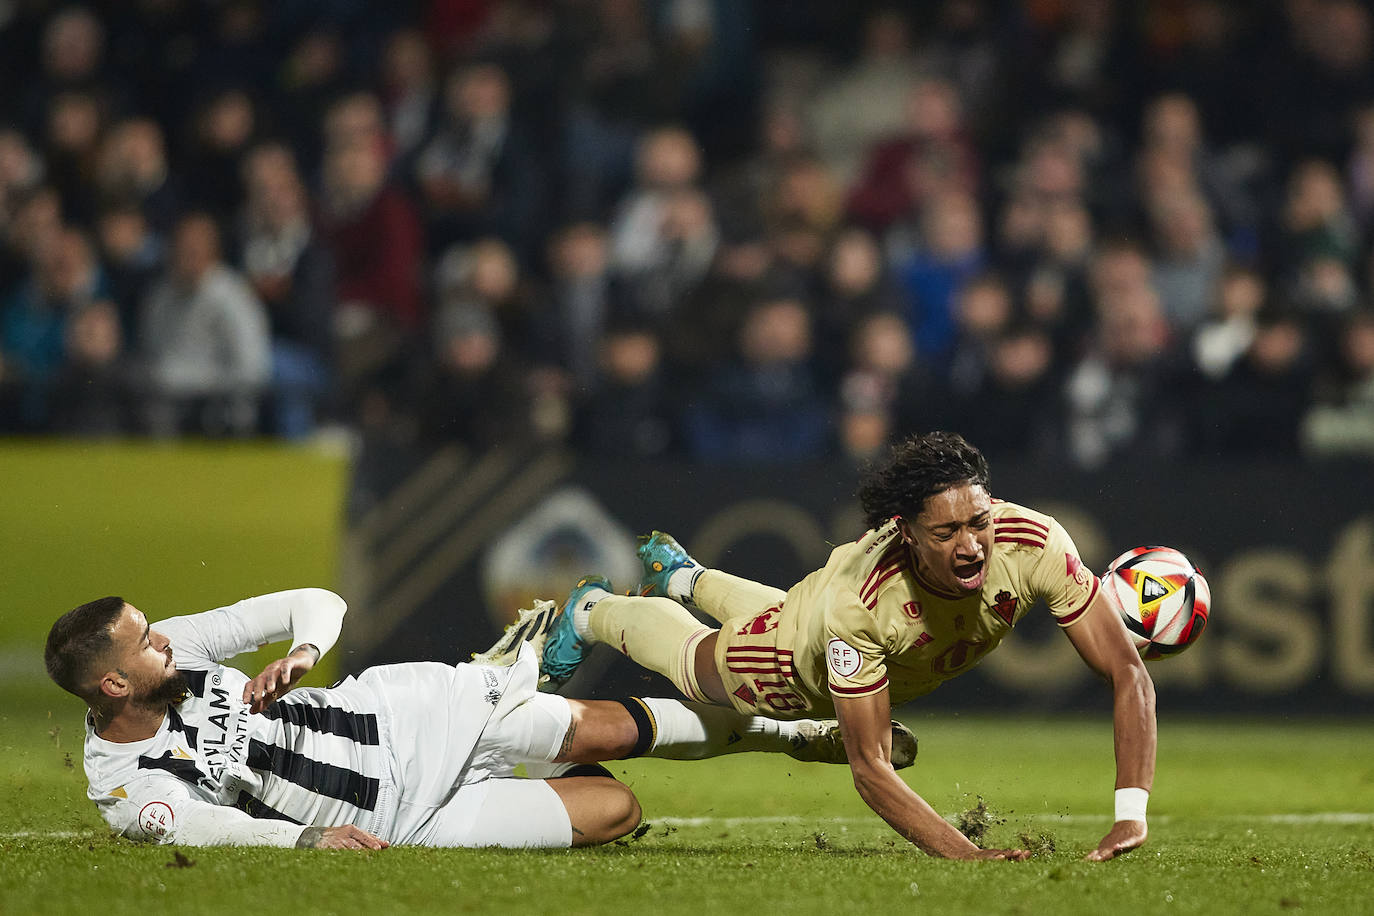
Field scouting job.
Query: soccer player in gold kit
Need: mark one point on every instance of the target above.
(941, 576)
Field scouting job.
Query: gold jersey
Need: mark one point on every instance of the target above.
(869, 620)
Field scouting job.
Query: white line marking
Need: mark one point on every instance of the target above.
(1319, 817)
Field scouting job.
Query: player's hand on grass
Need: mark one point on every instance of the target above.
(345, 837)
(1005, 855)
(277, 679)
(1124, 836)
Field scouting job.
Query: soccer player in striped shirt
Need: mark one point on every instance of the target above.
(939, 579)
(181, 748)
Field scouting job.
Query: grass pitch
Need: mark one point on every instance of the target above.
(1245, 818)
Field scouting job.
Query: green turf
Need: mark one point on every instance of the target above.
(779, 836)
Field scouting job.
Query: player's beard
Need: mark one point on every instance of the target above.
(170, 691)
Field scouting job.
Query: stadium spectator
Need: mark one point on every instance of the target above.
(627, 411)
(223, 131)
(855, 285)
(1256, 409)
(762, 406)
(1016, 408)
(381, 307)
(1118, 399)
(1341, 422)
(1219, 341)
(569, 331)
(204, 336)
(663, 236)
(932, 153)
(1189, 260)
(133, 170)
(65, 278)
(866, 101)
(71, 143)
(133, 257)
(882, 386)
(952, 251)
(477, 393)
(94, 392)
(409, 89)
(982, 311)
(477, 173)
(292, 273)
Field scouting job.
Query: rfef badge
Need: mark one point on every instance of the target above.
(844, 659)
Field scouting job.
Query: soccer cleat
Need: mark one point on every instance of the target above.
(564, 649)
(820, 741)
(532, 626)
(661, 555)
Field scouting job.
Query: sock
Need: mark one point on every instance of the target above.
(581, 613)
(682, 581)
(658, 633)
(694, 731)
(726, 597)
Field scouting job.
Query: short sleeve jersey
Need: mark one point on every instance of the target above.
(869, 619)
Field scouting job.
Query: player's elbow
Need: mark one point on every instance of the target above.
(1134, 683)
(870, 775)
(326, 600)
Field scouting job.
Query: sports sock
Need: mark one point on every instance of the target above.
(682, 581)
(726, 597)
(658, 633)
(694, 731)
(581, 613)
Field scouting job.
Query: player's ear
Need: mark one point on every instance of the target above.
(114, 683)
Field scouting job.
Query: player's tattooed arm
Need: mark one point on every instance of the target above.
(309, 838)
(345, 837)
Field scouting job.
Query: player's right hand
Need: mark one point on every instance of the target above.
(1005, 855)
(345, 837)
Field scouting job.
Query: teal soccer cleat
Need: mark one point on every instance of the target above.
(564, 649)
(662, 556)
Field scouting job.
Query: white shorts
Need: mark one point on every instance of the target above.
(457, 734)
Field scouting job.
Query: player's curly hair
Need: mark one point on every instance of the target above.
(917, 469)
(79, 639)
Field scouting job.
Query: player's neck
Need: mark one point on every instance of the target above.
(129, 723)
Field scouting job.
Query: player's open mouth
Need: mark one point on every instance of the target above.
(971, 575)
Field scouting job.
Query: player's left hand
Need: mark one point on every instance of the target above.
(1123, 837)
(277, 679)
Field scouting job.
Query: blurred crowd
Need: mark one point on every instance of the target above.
(1074, 230)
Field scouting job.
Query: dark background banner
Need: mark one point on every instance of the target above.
(444, 547)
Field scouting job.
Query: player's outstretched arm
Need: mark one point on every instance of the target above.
(345, 837)
(866, 725)
(1101, 639)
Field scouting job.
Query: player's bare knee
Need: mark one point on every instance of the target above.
(618, 812)
(624, 811)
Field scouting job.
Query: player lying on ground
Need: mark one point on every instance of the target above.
(183, 749)
(939, 579)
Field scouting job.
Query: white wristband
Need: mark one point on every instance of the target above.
(1130, 804)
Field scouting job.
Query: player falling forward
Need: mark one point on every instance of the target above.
(937, 582)
(183, 749)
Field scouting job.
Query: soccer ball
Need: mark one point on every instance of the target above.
(1162, 598)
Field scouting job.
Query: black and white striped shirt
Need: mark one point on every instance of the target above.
(317, 756)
